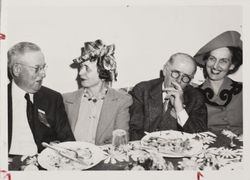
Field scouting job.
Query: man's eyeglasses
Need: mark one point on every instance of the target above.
(184, 77)
(37, 69)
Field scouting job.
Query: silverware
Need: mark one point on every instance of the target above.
(62, 152)
(64, 148)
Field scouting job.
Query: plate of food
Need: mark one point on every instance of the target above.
(70, 156)
(172, 143)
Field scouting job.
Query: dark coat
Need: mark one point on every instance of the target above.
(54, 126)
(225, 108)
(147, 109)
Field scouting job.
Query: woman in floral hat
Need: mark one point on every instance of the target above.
(95, 110)
(219, 58)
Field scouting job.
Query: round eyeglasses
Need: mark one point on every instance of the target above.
(184, 77)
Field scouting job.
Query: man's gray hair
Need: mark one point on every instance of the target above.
(19, 49)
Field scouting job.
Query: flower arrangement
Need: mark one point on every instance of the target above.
(213, 158)
(142, 160)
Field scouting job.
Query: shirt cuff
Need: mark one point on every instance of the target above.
(182, 117)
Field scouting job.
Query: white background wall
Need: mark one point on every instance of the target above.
(145, 33)
(145, 36)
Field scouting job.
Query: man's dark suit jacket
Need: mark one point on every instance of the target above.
(53, 126)
(147, 109)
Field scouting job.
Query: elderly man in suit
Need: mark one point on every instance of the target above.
(96, 109)
(36, 113)
(169, 102)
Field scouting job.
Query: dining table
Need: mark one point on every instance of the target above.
(221, 150)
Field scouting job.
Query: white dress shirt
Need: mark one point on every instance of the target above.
(88, 118)
(22, 142)
(182, 116)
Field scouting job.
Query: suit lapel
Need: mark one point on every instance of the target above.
(39, 103)
(155, 106)
(104, 121)
(75, 106)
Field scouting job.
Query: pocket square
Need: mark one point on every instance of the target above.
(42, 118)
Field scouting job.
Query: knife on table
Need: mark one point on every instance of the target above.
(62, 153)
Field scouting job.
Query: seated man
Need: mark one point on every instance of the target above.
(169, 102)
(36, 114)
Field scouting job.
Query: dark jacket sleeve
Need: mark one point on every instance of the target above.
(136, 124)
(62, 126)
(197, 111)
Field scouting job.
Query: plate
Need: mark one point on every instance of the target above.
(172, 143)
(51, 160)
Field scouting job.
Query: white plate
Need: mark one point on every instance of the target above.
(51, 160)
(194, 146)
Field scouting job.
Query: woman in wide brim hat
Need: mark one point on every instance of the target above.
(96, 109)
(219, 58)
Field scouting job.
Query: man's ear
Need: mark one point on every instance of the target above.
(16, 69)
(164, 70)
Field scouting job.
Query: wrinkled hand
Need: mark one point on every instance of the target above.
(176, 96)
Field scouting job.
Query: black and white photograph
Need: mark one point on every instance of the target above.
(126, 89)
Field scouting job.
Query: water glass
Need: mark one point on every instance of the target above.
(119, 137)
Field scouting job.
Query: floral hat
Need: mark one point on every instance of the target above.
(96, 50)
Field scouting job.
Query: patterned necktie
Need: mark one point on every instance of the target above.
(168, 122)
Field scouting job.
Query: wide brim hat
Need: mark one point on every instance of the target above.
(226, 39)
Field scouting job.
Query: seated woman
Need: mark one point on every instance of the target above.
(95, 110)
(219, 58)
